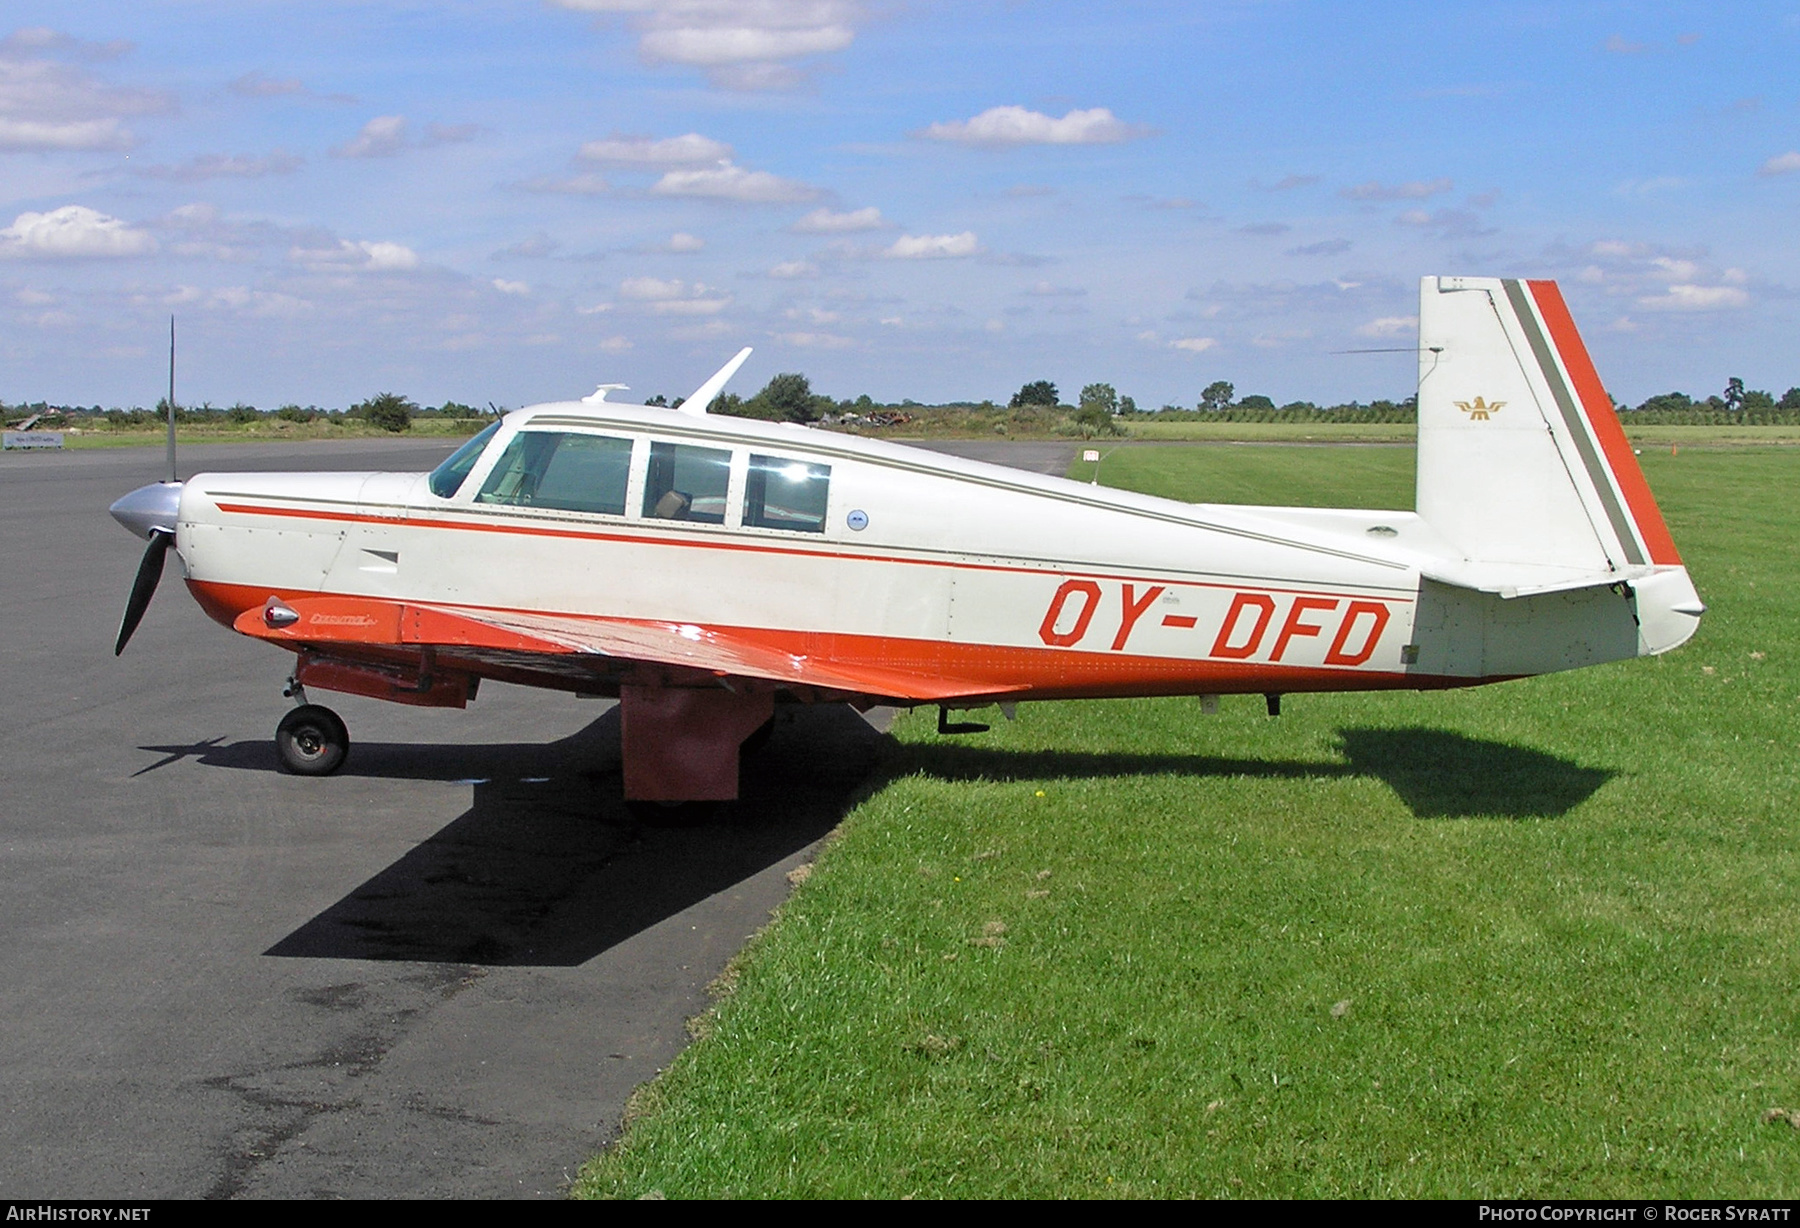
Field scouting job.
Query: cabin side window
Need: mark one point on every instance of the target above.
(448, 477)
(687, 483)
(786, 494)
(565, 471)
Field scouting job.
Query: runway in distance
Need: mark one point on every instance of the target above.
(704, 569)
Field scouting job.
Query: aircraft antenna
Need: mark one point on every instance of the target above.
(704, 394)
(173, 477)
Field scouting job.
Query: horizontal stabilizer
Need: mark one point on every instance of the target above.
(1513, 582)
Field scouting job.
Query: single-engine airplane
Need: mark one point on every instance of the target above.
(703, 569)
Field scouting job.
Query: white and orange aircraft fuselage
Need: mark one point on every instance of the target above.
(703, 569)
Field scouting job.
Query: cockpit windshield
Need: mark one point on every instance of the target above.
(448, 477)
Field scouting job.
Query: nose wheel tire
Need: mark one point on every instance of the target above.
(311, 741)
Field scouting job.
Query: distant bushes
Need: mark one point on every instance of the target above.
(388, 411)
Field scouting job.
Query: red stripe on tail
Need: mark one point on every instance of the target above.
(1598, 407)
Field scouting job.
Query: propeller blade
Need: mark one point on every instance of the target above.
(149, 574)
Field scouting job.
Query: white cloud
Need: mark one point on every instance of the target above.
(674, 297)
(681, 241)
(742, 44)
(825, 222)
(728, 181)
(1781, 164)
(389, 257)
(1677, 270)
(242, 300)
(387, 135)
(933, 247)
(715, 45)
(49, 106)
(1046, 289)
(377, 257)
(1616, 248)
(382, 137)
(1415, 190)
(1018, 126)
(654, 288)
(1194, 345)
(615, 345)
(1687, 297)
(73, 231)
(1390, 326)
(789, 270)
(66, 134)
(690, 306)
(511, 287)
(689, 149)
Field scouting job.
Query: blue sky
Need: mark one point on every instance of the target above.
(516, 200)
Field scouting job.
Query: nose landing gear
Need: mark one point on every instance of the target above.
(311, 740)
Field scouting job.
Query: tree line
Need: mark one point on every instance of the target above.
(1099, 409)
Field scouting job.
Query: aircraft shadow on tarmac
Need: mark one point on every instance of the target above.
(549, 868)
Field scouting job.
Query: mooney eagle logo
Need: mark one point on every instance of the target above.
(1478, 409)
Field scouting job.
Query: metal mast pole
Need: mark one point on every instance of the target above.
(172, 474)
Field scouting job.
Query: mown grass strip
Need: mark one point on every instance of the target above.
(1530, 940)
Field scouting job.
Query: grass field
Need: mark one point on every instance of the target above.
(1536, 939)
(269, 431)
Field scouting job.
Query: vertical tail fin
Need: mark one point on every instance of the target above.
(1524, 470)
(1521, 457)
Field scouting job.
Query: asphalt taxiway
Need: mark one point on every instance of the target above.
(439, 973)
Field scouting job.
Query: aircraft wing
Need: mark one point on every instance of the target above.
(730, 652)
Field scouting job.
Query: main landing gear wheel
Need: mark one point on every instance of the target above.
(311, 741)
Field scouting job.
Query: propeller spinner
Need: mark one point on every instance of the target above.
(149, 512)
